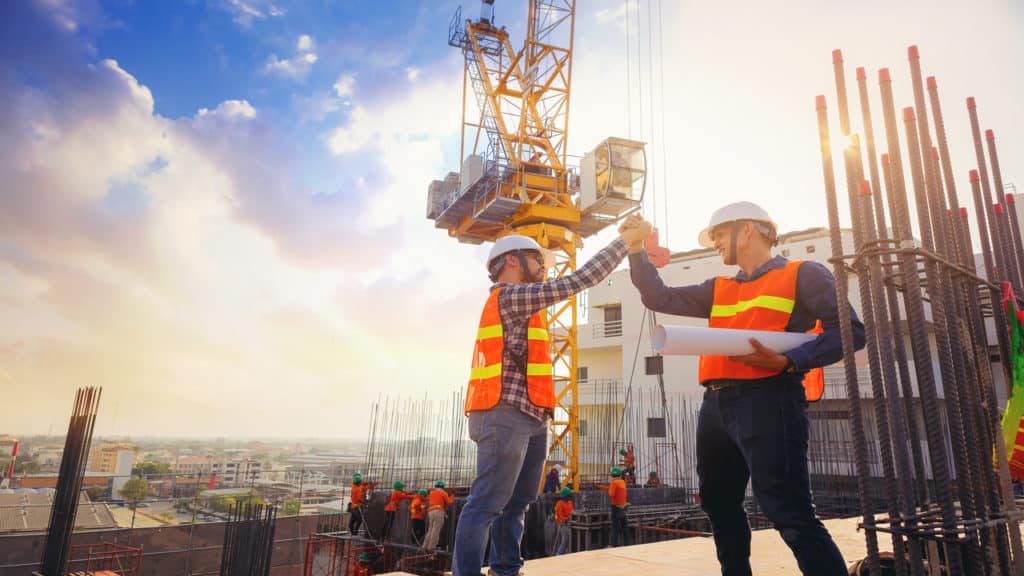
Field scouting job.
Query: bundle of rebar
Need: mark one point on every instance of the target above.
(419, 442)
(248, 540)
(69, 481)
(966, 518)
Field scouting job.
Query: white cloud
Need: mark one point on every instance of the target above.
(245, 12)
(296, 67)
(231, 109)
(412, 73)
(343, 87)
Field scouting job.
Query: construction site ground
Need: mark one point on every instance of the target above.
(693, 556)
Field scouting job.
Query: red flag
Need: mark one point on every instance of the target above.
(213, 480)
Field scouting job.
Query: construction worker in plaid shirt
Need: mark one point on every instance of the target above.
(511, 395)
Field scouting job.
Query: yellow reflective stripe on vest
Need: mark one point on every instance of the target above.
(538, 370)
(488, 332)
(536, 334)
(777, 303)
(486, 372)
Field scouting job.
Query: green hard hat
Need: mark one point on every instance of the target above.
(565, 492)
(399, 485)
(365, 557)
(652, 474)
(439, 484)
(616, 471)
(357, 477)
(423, 492)
(622, 451)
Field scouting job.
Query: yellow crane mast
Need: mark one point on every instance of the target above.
(517, 176)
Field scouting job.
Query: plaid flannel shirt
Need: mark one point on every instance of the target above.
(518, 302)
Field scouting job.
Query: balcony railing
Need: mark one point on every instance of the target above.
(608, 329)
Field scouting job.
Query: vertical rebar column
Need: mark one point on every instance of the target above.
(883, 377)
(1014, 250)
(1003, 490)
(914, 305)
(902, 361)
(979, 378)
(946, 369)
(846, 331)
(996, 270)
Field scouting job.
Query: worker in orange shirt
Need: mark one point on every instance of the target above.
(652, 480)
(358, 501)
(617, 495)
(439, 498)
(563, 511)
(391, 508)
(418, 513)
(628, 465)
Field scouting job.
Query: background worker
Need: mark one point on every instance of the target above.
(552, 482)
(418, 514)
(511, 395)
(752, 423)
(357, 502)
(628, 465)
(438, 499)
(391, 508)
(652, 480)
(563, 512)
(617, 498)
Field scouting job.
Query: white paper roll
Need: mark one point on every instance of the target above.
(698, 340)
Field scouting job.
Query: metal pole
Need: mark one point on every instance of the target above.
(995, 270)
(1012, 240)
(846, 330)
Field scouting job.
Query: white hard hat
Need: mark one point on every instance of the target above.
(731, 213)
(514, 242)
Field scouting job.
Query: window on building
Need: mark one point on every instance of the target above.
(785, 252)
(583, 428)
(810, 248)
(582, 373)
(655, 427)
(613, 320)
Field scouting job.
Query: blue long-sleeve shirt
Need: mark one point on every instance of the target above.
(815, 300)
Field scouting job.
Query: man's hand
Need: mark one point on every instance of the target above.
(762, 357)
(634, 230)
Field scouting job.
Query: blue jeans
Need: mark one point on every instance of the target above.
(510, 451)
(563, 538)
(758, 430)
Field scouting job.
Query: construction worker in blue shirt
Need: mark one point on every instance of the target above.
(752, 423)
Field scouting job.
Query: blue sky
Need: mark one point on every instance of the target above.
(221, 203)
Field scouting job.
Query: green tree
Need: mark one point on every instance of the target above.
(26, 467)
(97, 493)
(135, 491)
(151, 469)
(291, 507)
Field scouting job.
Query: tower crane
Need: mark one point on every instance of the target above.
(516, 176)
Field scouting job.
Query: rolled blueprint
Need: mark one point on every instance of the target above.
(699, 340)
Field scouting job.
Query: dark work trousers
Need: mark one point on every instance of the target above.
(389, 521)
(620, 527)
(419, 528)
(758, 430)
(355, 520)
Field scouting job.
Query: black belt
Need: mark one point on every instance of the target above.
(721, 384)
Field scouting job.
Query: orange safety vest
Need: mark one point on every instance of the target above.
(563, 510)
(439, 498)
(616, 491)
(484, 390)
(762, 304)
(395, 500)
(359, 495)
(418, 508)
